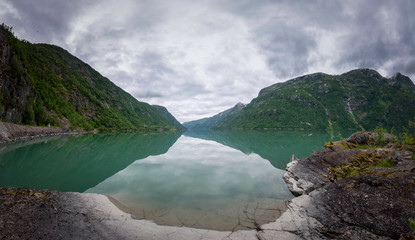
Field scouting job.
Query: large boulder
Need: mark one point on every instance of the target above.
(370, 138)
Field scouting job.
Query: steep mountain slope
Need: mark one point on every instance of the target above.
(207, 123)
(359, 99)
(42, 85)
(162, 111)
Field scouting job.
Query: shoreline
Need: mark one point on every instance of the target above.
(333, 202)
(10, 132)
(68, 215)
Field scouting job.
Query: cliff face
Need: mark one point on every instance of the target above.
(359, 99)
(15, 89)
(44, 85)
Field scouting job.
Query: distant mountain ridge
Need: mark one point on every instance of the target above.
(356, 100)
(207, 123)
(44, 85)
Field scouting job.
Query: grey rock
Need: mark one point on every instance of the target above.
(370, 138)
(375, 204)
(297, 184)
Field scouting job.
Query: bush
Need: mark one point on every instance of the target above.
(28, 115)
(411, 223)
(379, 134)
(40, 114)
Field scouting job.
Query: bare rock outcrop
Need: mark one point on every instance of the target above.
(353, 193)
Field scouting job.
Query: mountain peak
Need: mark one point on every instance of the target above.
(239, 105)
(400, 79)
(363, 72)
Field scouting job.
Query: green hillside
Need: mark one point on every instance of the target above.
(207, 123)
(163, 112)
(359, 99)
(45, 85)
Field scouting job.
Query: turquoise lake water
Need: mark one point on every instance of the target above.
(203, 179)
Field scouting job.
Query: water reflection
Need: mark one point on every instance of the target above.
(275, 146)
(224, 180)
(201, 184)
(76, 163)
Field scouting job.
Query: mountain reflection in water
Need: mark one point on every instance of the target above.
(200, 183)
(76, 163)
(223, 180)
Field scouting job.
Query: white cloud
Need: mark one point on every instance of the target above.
(194, 50)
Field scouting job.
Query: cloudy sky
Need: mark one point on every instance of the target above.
(198, 58)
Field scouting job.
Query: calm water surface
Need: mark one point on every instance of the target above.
(215, 180)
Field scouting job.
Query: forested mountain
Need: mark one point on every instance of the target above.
(207, 123)
(42, 85)
(356, 100)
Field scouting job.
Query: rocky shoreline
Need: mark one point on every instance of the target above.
(353, 190)
(348, 190)
(10, 132)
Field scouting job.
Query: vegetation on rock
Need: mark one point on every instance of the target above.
(364, 162)
(359, 188)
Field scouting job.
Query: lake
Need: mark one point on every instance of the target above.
(223, 180)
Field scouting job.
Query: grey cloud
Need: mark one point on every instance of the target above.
(198, 58)
(124, 79)
(410, 67)
(44, 20)
(146, 94)
(286, 48)
(381, 33)
(154, 60)
(283, 35)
